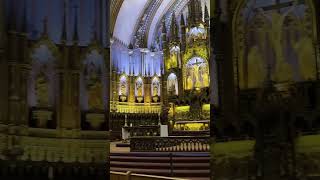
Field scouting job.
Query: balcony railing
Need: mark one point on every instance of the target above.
(170, 144)
(133, 176)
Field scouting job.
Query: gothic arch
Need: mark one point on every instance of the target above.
(89, 50)
(50, 45)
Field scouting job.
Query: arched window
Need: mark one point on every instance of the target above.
(277, 41)
(172, 84)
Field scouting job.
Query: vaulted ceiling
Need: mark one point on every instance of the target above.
(131, 18)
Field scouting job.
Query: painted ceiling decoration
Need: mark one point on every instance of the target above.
(137, 23)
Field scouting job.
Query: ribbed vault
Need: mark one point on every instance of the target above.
(139, 21)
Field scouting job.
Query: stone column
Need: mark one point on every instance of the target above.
(107, 75)
(25, 74)
(3, 67)
(131, 84)
(14, 100)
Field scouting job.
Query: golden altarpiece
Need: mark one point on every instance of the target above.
(167, 83)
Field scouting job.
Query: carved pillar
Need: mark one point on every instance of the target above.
(3, 67)
(131, 89)
(180, 83)
(113, 87)
(74, 88)
(147, 90)
(25, 67)
(25, 73)
(65, 109)
(107, 75)
(317, 55)
(14, 100)
(216, 83)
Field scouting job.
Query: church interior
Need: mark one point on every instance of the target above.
(160, 89)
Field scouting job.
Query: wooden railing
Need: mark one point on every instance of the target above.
(170, 144)
(133, 176)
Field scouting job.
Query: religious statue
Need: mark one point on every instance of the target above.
(189, 80)
(94, 89)
(306, 57)
(42, 90)
(172, 83)
(196, 80)
(155, 89)
(123, 86)
(205, 77)
(283, 70)
(173, 60)
(139, 88)
(256, 68)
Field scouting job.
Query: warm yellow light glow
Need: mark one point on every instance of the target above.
(206, 107)
(182, 109)
(192, 126)
(135, 108)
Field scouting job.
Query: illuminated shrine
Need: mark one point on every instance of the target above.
(165, 75)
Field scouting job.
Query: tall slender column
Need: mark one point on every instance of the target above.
(25, 68)
(147, 91)
(3, 67)
(14, 100)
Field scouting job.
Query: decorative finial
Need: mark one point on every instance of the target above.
(64, 23)
(182, 20)
(12, 22)
(164, 29)
(24, 22)
(206, 13)
(75, 34)
(45, 27)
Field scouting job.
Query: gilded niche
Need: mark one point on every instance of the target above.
(123, 86)
(139, 87)
(172, 84)
(155, 87)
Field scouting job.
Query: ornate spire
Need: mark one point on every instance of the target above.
(94, 33)
(164, 29)
(130, 46)
(75, 32)
(206, 14)
(195, 13)
(24, 21)
(12, 21)
(182, 22)
(2, 26)
(45, 27)
(64, 24)
(174, 28)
